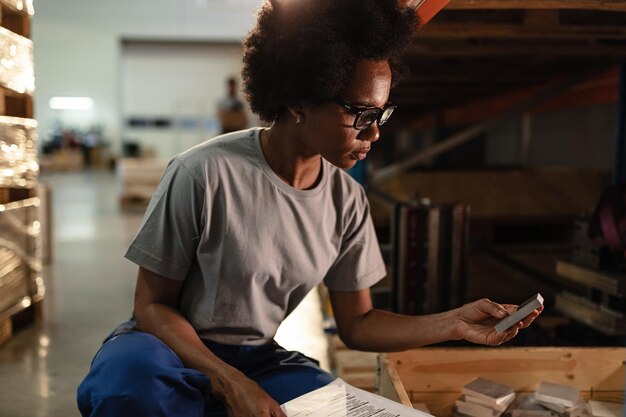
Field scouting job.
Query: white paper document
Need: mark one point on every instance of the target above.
(339, 399)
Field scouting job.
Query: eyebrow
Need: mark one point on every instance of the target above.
(361, 104)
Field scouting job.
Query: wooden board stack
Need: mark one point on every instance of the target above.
(484, 398)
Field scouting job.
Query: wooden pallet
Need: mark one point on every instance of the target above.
(9, 194)
(15, 104)
(17, 21)
(130, 202)
(355, 367)
(18, 318)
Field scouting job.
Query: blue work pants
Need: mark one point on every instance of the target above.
(135, 374)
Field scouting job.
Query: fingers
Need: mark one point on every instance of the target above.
(531, 317)
(497, 339)
(277, 412)
(493, 309)
(510, 308)
(511, 333)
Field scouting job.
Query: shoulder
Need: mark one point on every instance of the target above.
(216, 152)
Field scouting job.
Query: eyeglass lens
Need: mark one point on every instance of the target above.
(369, 116)
(366, 118)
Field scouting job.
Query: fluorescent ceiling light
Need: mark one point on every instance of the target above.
(70, 103)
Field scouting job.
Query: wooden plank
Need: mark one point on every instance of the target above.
(499, 193)
(15, 105)
(355, 367)
(6, 330)
(17, 21)
(608, 5)
(437, 370)
(19, 6)
(580, 49)
(389, 383)
(2, 101)
(614, 285)
(24, 314)
(508, 31)
(11, 194)
(349, 361)
(541, 19)
(135, 203)
(590, 313)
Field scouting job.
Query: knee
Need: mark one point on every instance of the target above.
(138, 358)
(126, 373)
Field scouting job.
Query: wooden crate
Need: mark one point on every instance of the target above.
(434, 376)
(21, 315)
(355, 367)
(138, 179)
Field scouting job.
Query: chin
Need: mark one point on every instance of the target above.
(344, 163)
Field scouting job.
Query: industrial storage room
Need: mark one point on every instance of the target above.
(343, 208)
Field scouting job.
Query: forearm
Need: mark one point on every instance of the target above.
(176, 332)
(383, 331)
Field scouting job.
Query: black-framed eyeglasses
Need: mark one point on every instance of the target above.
(365, 116)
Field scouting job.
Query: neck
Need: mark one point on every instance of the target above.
(286, 153)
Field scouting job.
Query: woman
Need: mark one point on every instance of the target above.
(244, 225)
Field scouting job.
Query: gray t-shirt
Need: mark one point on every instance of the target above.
(247, 245)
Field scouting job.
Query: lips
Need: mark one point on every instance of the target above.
(360, 154)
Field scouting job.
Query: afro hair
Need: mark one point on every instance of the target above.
(303, 51)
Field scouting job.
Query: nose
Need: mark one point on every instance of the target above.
(371, 134)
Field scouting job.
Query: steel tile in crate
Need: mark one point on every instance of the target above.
(18, 152)
(20, 231)
(16, 62)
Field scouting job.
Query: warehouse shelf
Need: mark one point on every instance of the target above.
(14, 104)
(15, 15)
(21, 6)
(21, 284)
(18, 152)
(16, 62)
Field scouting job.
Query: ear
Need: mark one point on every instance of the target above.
(297, 113)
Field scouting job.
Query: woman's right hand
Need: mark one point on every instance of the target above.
(245, 398)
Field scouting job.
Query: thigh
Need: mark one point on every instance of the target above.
(136, 371)
(287, 375)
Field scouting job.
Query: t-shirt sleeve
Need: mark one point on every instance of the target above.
(172, 226)
(359, 263)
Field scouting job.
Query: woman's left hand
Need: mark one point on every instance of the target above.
(475, 322)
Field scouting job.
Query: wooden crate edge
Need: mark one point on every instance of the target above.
(388, 382)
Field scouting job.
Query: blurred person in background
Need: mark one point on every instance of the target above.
(230, 109)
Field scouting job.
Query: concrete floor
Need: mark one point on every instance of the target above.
(89, 289)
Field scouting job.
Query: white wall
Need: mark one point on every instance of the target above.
(176, 81)
(78, 47)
